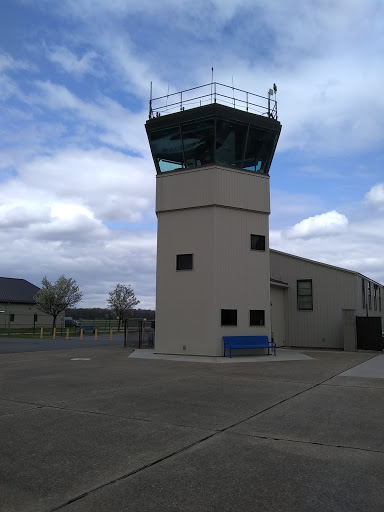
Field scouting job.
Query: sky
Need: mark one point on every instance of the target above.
(77, 181)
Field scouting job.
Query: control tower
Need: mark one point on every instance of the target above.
(212, 147)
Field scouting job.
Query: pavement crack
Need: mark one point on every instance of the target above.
(133, 472)
(197, 443)
(300, 441)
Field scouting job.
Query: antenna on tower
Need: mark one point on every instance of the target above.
(272, 92)
(150, 103)
(166, 103)
(233, 94)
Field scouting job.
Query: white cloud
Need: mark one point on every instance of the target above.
(112, 185)
(71, 63)
(109, 121)
(21, 214)
(326, 224)
(376, 196)
(67, 178)
(8, 63)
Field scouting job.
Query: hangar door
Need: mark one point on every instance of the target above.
(278, 316)
(368, 333)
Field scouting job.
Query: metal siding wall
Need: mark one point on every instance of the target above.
(360, 311)
(278, 314)
(209, 186)
(226, 274)
(333, 290)
(242, 275)
(24, 316)
(184, 299)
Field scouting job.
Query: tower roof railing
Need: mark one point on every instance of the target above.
(214, 92)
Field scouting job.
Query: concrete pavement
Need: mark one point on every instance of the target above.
(94, 429)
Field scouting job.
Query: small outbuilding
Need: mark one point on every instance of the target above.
(318, 305)
(18, 306)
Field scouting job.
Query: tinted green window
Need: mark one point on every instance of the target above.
(198, 142)
(230, 142)
(167, 149)
(258, 154)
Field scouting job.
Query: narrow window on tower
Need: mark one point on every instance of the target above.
(257, 243)
(229, 317)
(256, 317)
(184, 262)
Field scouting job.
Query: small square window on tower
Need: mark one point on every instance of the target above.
(257, 243)
(184, 262)
(256, 317)
(229, 317)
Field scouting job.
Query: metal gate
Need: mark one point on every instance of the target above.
(368, 332)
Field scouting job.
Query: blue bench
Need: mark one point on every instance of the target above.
(88, 328)
(239, 342)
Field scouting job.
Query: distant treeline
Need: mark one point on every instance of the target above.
(104, 313)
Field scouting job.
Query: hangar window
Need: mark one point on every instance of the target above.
(363, 292)
(256, 317)
(229, 317)
(304, 294)
(11, 317)
(379, 299)
(369, 295)
(257, 243)
(375, 296)
(184, 262)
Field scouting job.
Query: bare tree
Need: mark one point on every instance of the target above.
(55, 298)
(121, 301)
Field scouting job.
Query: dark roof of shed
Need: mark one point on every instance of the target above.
(17, 290)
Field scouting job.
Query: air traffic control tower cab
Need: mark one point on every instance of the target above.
(212, 147)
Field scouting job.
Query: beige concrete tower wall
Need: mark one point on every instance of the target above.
(185, 299)
(226, 273)
(242, 274)
(208, 186)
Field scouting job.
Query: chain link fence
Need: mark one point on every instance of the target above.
(135, 332)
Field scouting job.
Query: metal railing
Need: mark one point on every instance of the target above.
(214, 92)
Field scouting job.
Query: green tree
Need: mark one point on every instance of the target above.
(52, 299)
(121, 301)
